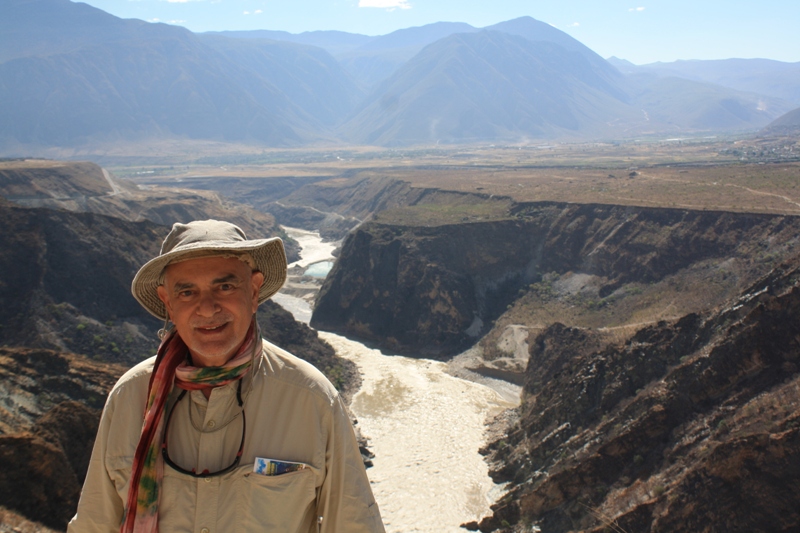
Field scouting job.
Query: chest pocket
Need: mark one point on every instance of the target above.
(284, 503)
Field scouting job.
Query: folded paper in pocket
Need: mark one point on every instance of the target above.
(272, 467)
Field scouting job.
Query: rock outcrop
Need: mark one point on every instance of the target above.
(435, 289)
(66, 282)
(690, 425)
(87, 188)
(51, 409)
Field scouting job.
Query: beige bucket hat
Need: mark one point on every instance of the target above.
(204, 238)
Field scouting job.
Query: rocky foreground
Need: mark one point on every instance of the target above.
(688, 425)
(50, 413)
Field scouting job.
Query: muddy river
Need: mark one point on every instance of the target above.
(425, 427)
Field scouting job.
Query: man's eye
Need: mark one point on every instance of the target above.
(226, 287)
(185, 294)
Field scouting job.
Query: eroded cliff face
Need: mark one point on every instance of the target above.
(689, 425)
(48, 420)
(84, 187)
(66, 283)
(436, 289)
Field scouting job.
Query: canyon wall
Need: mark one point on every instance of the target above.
(683, 423)
(435, 289)
(687, 425)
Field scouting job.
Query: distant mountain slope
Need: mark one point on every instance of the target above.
(493, 85)
(417, 37)
(489, 85)
(310, 77)
(788, 123)
(46, 27)
(134, 80)
(762, 76)
(536, 30)
(677, 104)
(74, 76)
(171, 87)
(378, 58)
(334, 42)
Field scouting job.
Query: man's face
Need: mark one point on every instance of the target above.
(211, 301)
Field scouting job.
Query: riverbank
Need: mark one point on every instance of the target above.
(425, 421)
(425, 428)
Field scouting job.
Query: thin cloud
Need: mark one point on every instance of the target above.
(157, 20)
(636, 9)
(391, 5)
(574, 25)
(256, 12)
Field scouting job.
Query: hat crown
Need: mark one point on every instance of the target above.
(201, 231)
(203, 238)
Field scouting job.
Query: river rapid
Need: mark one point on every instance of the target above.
(425, 427)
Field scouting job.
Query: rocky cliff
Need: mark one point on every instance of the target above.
(49, 417)
(87, 188)
(687, 425)
(66, 283)
(416, 285)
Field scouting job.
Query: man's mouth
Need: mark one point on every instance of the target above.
(211, 329)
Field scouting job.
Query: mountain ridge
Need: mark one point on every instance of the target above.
(78, 77)
(427, 100)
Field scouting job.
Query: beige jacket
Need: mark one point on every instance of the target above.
(293, 414)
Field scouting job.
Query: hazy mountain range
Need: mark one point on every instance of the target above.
(73, 75)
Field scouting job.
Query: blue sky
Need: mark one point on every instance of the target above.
(640, 31)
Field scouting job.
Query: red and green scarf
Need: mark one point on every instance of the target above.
(141, 510)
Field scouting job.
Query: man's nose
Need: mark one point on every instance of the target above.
(207, 306)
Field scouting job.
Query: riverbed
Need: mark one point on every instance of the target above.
(425, 427)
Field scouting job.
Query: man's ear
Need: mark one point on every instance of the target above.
(162, 295)
(257, 278)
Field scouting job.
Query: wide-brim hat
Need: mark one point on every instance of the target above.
(205, 238)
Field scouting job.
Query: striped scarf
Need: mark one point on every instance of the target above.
(141, 510)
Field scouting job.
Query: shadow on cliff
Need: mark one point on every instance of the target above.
(689, 425)
(434, 290)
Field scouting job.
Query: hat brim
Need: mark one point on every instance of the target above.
(268, 254)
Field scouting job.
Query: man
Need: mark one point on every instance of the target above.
(222, 431)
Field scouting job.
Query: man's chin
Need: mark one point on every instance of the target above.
(209, 356)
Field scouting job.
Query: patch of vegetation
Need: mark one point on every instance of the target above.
(442, 214)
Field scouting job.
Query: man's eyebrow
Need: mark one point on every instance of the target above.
(182, 286)
(226, 279)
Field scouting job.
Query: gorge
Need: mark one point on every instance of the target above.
(659, 354)
(424, 426)
(653, 343)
